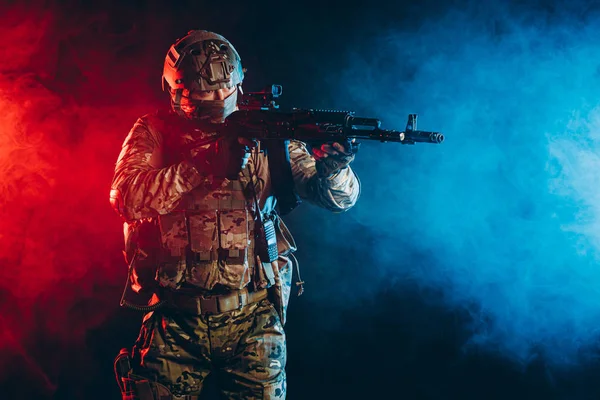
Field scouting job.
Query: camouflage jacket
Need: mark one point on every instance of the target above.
(195, 230)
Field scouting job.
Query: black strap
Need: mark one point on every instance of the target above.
(282, 180)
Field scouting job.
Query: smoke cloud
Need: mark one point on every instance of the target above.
(63, 119)
(503, 217)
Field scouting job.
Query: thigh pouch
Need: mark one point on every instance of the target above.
(134, 387)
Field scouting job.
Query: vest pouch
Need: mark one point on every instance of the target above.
(203, 233)
(174, 240)
(202, 252)
(280, 292)
(234, 241)
(174, 235)
(233, 229)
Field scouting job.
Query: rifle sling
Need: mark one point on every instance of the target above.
(282, 180)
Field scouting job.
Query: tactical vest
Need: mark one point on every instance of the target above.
(208, 240)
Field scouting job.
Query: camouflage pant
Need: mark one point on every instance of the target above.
(245, 348)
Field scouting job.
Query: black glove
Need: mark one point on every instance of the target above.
(330, 159)
(223, 159)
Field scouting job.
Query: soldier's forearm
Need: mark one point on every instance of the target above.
(336, 193)
(147, 193)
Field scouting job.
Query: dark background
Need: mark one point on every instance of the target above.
(74, 77)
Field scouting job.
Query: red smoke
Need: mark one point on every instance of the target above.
(71, 86)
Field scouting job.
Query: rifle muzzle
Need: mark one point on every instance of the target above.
(423, 137)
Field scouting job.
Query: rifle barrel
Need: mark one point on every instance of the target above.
(424, 136)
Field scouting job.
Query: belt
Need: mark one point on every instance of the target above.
(216, 304)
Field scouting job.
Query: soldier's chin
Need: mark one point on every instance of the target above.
(214, 118)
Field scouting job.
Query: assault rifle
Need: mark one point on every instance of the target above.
(259, 118)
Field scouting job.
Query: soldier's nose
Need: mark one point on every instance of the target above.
(220, 94)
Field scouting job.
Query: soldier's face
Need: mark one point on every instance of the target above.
(215, 105)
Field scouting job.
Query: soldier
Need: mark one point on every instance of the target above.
(199, 224)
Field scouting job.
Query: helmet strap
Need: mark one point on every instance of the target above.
(176, 101)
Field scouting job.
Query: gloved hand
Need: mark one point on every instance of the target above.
(225, 158)
(331, 159)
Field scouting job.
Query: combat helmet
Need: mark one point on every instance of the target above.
(202, 61)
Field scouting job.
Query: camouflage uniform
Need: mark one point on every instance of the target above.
(200, 246)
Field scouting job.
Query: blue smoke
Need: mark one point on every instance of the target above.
(506, 212)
